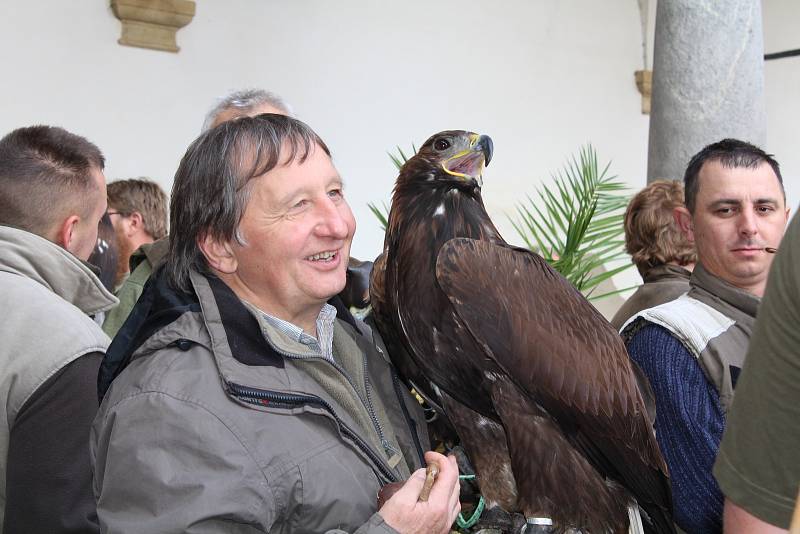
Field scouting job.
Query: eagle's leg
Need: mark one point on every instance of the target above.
(554, 480)
(484, 441)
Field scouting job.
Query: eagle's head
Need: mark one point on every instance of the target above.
(454, 157)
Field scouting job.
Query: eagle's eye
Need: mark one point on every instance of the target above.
(441, 144)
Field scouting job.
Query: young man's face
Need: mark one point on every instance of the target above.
(738, 213)
(85, 234)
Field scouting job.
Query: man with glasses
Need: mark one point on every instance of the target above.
(138, 211)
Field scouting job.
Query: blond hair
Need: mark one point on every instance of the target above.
(652, 237)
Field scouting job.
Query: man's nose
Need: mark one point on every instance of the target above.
(748, 223)
(332, 222)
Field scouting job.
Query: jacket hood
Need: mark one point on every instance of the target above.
(46, 263)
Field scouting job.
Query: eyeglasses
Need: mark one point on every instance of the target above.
(122, 213)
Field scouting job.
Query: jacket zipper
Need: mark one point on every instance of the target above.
(390, 451)
(255, 396)
(412, 425)
(371, 409)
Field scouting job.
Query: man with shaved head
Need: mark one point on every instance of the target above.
(692, 348)
(52, 196)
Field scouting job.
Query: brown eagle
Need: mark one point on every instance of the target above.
(536, 382)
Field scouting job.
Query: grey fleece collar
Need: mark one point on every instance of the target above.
(705, 287)
(34, 257)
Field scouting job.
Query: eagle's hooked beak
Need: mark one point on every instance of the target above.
(485, 144)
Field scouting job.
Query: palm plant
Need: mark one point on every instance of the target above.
(382, 213)
(577, 225)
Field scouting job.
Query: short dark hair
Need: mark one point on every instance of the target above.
(652, 237)
(143, 196)
(45, 175)
(213, 182)
(731, 153)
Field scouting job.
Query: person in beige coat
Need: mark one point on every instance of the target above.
(52, 196)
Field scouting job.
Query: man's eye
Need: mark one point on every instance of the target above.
(335, 193)
(765, 209)
(300, 204)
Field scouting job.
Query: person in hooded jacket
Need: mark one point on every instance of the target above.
(245, 397)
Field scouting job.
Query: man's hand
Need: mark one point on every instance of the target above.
(407, 515)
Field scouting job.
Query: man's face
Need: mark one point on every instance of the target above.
(125, 245)
(298, 229)
(738, 212)
(84, 235)
(121, 221)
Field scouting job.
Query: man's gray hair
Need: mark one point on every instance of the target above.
(213, 183)
(244, 101)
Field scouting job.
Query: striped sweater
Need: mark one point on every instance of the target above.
(689, 425)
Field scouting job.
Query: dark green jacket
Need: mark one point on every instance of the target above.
(142, 262)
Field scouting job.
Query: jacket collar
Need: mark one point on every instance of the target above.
(244, 340)
(162, 315)
(718, 293)
(666, 272)
(155, 253)
(243, 356)
(29, 255)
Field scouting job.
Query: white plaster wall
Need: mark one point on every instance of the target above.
(541, 77)
(782, 90)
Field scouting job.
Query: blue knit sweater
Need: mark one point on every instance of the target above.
(689, 424)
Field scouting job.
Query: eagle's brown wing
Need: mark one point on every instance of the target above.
(440, 429)
(559, 350)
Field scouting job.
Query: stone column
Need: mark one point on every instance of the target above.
(708, 80)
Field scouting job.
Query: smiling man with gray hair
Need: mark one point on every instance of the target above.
(247, 398)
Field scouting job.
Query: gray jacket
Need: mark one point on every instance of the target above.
(48, 295)
(210, 429)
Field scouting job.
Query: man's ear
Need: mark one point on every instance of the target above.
(135, 223)
(65, 232)
(684, 221)
(218, 254)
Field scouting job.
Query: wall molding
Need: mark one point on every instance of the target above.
(644, 82)
(152, 23)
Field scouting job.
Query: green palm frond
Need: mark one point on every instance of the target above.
(577, 223)
(401, 158)
(382, 214)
